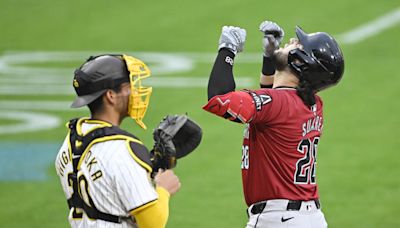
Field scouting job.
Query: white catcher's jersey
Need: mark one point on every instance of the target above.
(113, 177)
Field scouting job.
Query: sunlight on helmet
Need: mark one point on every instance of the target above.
(140, 95)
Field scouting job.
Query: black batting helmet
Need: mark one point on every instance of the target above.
(320, 62)
(96, 75)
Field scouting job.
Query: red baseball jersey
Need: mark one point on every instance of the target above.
(279, 152)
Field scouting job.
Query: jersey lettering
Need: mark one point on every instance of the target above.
(96, 175)
(90, 161)
(62, 160)
(314, 124)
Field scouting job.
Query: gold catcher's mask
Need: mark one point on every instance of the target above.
(140, 96)
(103, 72)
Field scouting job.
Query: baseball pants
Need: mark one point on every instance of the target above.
(286, 214)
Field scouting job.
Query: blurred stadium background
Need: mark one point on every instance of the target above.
(43, 41)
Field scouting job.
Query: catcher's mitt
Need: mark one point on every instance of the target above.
(175, 137)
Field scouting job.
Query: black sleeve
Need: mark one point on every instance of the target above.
(221, 78)
(269, 66)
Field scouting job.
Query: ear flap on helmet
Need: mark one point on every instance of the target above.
(300, 62)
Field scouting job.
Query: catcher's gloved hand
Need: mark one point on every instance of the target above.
(273, 35)
(175, 137)
(232, 38)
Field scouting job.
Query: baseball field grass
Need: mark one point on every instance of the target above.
(43, 41)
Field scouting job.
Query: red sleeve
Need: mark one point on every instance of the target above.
(245, 106)
(236, 106)
(268, 105)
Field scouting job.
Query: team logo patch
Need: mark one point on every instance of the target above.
(260, 100)
(76, 83)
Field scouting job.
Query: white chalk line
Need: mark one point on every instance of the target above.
(36, 105)
(50, 87)
(27, 121)
(371, 28)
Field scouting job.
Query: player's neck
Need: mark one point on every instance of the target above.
(109, 117)
(285, 78)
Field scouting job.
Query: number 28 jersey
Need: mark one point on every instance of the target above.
(279, 152)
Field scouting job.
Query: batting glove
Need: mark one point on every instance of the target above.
(232, 38)
(273, 35)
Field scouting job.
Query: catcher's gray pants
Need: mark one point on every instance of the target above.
(284, 214)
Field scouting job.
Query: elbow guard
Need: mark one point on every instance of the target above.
(235, 106)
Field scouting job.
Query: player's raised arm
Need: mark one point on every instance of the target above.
(272, 37)
(231, 42)
(223, 100)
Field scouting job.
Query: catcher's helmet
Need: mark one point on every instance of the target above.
(320, 62)
(96, 75)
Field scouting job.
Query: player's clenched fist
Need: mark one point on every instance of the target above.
(273, 35)
(232, 38)
(167, 180)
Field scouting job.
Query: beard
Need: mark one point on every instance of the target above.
(281, 61)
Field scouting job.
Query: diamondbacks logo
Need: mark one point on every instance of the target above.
(260, 100)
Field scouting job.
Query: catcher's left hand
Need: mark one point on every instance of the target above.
(175, 137)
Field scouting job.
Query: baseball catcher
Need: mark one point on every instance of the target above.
(109, 177)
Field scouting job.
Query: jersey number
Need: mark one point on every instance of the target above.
(305, 167)
(245, 157)
(83, 191)
(76, 212)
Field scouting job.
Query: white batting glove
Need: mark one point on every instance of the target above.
(232, 38)
(273, 35)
